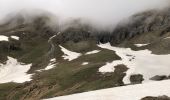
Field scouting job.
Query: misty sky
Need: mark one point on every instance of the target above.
(103, 12)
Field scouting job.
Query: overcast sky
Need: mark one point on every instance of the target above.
(103, 12)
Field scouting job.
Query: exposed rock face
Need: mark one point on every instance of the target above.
(73, 35)
(159, 77)
(135, 79)
(142, 23)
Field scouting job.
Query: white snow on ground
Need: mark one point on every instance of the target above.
(3, 38)
(167, 38)
(85, 63)
(69, 54)
(141, 45)
(53, 60)
(92, 52)
(139, 62)
(51, 65)
(131, 92)
(15, 37)
(14, 71)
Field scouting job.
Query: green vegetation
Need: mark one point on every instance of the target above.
(67, 77)
(5, 88)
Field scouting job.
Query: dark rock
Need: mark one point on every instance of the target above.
(156, 98)
(159, 77)
(136, 78)
(120, 69)
(72, 35)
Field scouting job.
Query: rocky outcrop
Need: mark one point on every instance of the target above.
(160, 77)
(156, 98)
(136, 78)
(149, 21)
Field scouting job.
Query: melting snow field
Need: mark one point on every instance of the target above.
(15, 37)
(69, 55)
(3, 38)
(92, 52)
(51, 65)
(14, 71)
(139, 62)
(131, 92)
(85, 63)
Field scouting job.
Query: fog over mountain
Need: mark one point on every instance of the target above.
(53, 48)
(102, 13)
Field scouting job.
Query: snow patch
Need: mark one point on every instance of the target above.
(85, 63)
(69, 55)
(92, 52)
(139, 62)
(3, 38)
(15, 37)
(131, 92)
(51, 65)
(14, 71)
(53, 60)
(141, 45)
(167, 38)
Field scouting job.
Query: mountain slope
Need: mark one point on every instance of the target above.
(133, 92)
(64, 62)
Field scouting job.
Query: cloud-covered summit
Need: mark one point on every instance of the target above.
(99, 12)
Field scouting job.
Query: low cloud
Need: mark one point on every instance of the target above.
(102, 13)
